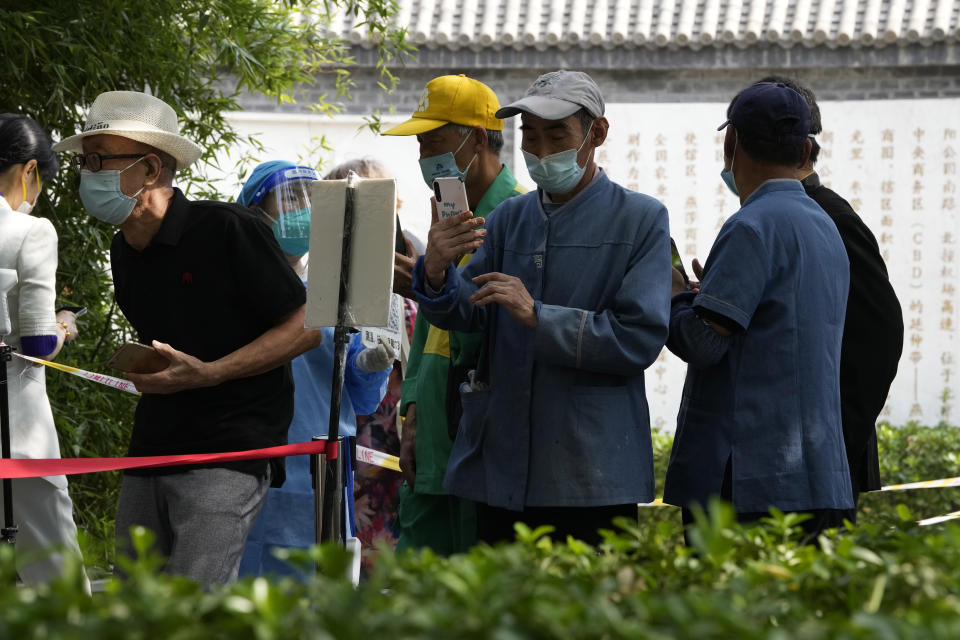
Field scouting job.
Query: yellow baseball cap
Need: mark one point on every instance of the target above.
(452, 99)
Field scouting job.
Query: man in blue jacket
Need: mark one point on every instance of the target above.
(873, 329)
(566, 286)
(759, 422)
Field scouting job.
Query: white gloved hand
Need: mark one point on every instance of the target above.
(376, 358)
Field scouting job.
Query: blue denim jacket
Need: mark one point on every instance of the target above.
(565, 422)
(779, 270)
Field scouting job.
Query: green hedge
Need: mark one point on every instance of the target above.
(873, 582)
(910, 453)
(885, 578)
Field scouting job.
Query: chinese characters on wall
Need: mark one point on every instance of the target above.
(896, 164)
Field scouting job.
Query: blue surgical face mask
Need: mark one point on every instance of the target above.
(444, 165)
(559, 172)
(101, 195)
(727, 174)
(292, 231)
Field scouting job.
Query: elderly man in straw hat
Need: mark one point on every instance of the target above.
(206, 284)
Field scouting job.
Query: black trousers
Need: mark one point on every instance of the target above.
(495, 524)
(820, 520)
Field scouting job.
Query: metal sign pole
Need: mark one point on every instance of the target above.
(318, 471)
(330, 526)
(333, 524)
(9, 531)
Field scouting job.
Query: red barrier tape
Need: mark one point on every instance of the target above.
(39, 467)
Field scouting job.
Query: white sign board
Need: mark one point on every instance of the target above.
(370, 281)
(895, 161)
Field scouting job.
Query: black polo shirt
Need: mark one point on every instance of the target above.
(872, 337)
(212, 280)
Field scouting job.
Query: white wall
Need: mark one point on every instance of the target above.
(297, 138)
(895, 161)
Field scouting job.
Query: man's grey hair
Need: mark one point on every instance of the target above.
(585, 120)
(494, 138)
(168, 165)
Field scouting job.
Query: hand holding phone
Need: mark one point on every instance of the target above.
(678, 262)
(134, 357)
(451, 195)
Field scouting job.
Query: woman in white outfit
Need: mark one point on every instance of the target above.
(28, 245)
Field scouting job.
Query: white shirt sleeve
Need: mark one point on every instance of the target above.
(37, 269)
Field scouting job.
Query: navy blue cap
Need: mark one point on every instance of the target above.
(770, 112)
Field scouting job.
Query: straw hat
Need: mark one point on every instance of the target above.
(137, 116)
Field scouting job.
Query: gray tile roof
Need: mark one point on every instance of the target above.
(675, 24)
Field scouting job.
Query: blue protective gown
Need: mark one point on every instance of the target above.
(287, 516)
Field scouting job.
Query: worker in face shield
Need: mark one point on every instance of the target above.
(280, 191)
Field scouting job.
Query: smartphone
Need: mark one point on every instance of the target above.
(77, 311)
(678, 262)
(451, 196)
(399, 242)
(137, 358)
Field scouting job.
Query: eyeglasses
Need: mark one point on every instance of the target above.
(94, 161)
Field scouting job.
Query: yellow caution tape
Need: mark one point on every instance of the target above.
(110, 381)
(378, 458)
(656, 503)
(926, 484)
(387, 461)
(939, 519)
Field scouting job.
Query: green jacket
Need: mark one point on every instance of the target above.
(429, 366)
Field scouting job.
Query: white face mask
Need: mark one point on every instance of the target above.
(25, 206)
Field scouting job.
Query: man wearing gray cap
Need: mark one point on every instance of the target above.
(566, 286)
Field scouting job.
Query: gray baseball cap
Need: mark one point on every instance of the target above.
(556, 95)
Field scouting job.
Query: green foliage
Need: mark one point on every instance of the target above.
(200, 56)
(914, 453)
(752, 583)
(885, 578)
(910, 453)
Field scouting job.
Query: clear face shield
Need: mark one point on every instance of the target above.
(287, 202)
